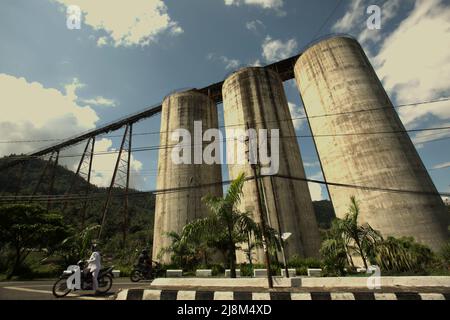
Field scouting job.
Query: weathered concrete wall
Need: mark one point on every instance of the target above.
(256, 96)
(335, 76)
(175, 209)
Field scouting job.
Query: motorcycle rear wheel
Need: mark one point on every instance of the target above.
(105, 283)
(60, 288)
(135, 276)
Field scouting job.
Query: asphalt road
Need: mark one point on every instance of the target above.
(42, 290)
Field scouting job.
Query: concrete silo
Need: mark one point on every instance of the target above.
(334, 76)
(175, 209)
(255, 97)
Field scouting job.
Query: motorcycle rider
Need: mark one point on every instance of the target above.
(94, 266)
(144, 262)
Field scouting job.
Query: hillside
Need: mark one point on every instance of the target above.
(141, 207)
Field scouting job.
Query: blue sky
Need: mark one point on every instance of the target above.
(128, 55)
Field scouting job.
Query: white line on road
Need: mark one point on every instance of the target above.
(49, 292)
(51, 285)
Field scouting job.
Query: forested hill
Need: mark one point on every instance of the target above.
(141, 206)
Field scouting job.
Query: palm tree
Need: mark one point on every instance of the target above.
(77, 246)
(224, 222)
(334, 254)
(182, 252)
(364, 237)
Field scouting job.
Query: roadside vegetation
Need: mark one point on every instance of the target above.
(36, 242)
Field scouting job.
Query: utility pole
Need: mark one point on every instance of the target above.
(256, 171)
(280, 233)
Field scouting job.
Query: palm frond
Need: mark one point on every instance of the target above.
(234, 193)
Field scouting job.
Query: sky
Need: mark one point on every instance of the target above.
(56, 82)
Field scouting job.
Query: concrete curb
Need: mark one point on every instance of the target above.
(304, 282)
(152, 294)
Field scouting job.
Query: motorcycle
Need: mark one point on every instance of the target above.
(142, 273)
(74, 279)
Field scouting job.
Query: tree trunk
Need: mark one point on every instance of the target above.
(232, 253)
(361, 252)
(349, 257)
(250, 253)
(16, 264)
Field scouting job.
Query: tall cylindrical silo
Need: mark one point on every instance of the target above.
(254, 98)
(174, 209)
(367, 148)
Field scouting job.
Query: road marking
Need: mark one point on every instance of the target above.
(342, 296)
(223, 295)
(432, 296)
(186, 295)
(122, 295)
(50, 292)
(261, 296)
(385, 296)
(151, 295)
(300, 296)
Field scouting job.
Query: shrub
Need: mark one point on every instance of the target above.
(298, 262)
(217, 269)
(403, 255)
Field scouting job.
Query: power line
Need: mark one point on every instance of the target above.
(327, 20)
(158, 147)
(75, 197)
(261, 122)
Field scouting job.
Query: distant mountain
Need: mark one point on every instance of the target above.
(324, 213)
(141, 206)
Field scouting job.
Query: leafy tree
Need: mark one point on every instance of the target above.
(25, 228)
(402, 255)
(225, 222)
(77, 245)
(183, 253)
(335, 250)
(361, 239)
(346, 237)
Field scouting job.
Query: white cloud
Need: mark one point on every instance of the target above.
(442, 165)
(255, 25)
(296, 113)
(425, 136)
(104, 162)
(415, 57)
(265, 4)
(446, 200)
(275, 49)
(356, 17)
(351, 17)
(256, 63)
(316, 191)
(230, 64)
(413, 60)
(102, 41)
(388, 11)
(311, 164)
(33, 112)
(100, 101)
(126, 24)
